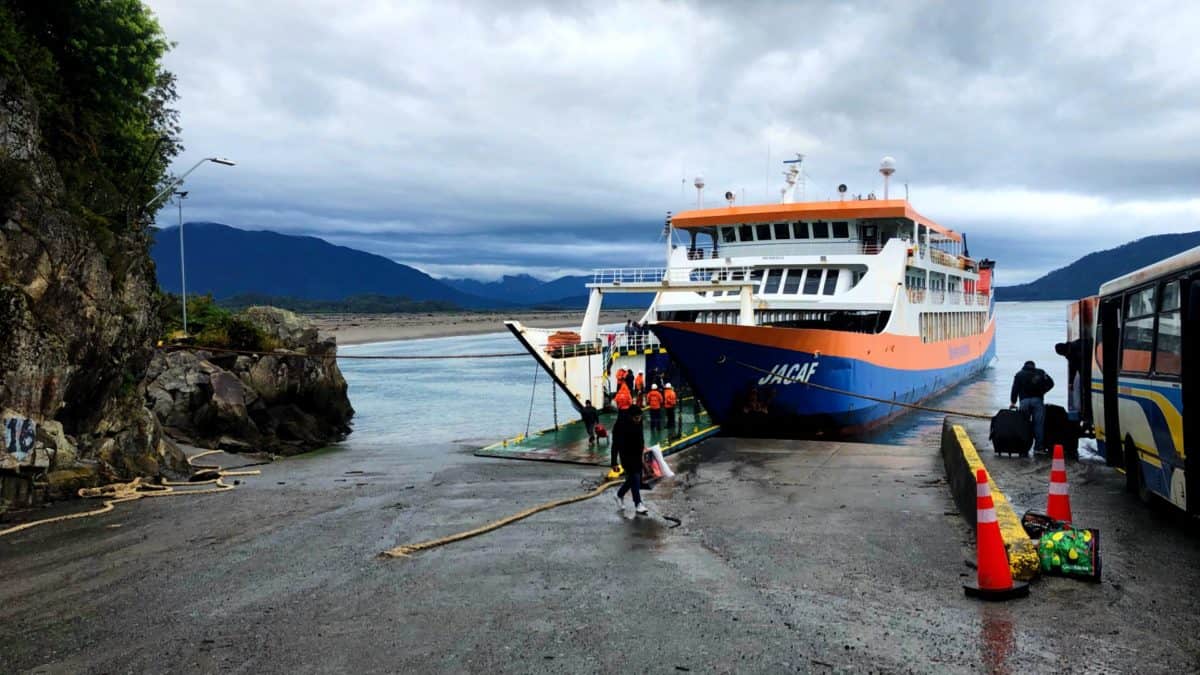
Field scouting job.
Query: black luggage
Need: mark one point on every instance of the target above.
(1060, 430)
(1011, 432)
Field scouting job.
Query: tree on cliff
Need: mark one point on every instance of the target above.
(93, 70)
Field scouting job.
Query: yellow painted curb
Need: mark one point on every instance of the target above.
(1022, 552)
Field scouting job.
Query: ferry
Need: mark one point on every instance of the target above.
(804, 318)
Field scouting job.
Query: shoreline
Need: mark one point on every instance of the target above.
(360, 329)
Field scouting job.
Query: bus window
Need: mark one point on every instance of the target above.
(1137, 344)
(728, 235)
(1169, 346)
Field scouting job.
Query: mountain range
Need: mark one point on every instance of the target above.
(1084, 276)
(232, 263)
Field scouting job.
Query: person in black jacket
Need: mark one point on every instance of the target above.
(629, 441)
(1029, 386)
(591, 417)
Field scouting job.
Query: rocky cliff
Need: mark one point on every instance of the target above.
(77, 323)
(285, 401)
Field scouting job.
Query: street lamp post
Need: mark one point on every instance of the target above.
(181, 195)
(182, 268)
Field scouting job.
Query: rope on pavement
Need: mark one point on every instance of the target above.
(405, 550)
(119, 493)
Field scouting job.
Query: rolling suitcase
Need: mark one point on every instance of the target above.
(1011, 432)
(1060, 430)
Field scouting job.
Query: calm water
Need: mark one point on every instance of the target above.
(402, 404)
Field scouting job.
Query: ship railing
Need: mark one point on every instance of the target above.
(577, 349)
(702, 253)
(681, 275)
(937, 297)
(631, 341)
(916, 295)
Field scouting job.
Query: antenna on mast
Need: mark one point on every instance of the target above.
(792, 177)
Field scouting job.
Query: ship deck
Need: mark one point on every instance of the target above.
(569, 442)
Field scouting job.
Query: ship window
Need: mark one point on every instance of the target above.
(756, 277)
(782, 231)
(792, 284)
(841, 229)
(800, 229)
(831, 278)
(812, 283)
(820, 230)
(773, 279)
(728, 235)
(763, 231)
(745, 233)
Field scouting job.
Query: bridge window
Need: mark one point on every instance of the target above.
(791, 285)
(773, 279)
(756, 279)
(841, 229)
(820, 230)
(728, 235)
(763, 231)
(783, 231)
(831, 278)
(745, 233)
(812, 282)
(800, 229)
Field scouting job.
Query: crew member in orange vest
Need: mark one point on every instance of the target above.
(670, 400)
(620, 377)
(623, 399)
(639, 387)
(654, 401)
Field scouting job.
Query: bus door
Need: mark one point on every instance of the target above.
(1190, 382)
(1110, 341)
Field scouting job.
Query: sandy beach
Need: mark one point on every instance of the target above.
(353, 329)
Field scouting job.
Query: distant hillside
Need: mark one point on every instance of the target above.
(1084, 276)
(227, 262)
(568, 291)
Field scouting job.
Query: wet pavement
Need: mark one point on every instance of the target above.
(792, 556)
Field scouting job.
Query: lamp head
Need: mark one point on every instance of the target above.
(222, 160)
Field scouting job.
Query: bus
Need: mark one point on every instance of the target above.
(1142, 332)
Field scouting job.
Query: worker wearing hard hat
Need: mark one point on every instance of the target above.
(654, 401)
(670, 400)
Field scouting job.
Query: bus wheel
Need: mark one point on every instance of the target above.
(1135, 482)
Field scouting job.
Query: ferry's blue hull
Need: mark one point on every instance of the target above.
(752, 388)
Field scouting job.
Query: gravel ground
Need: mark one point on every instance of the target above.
(792, 556)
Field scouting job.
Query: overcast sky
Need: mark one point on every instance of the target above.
(478, 139)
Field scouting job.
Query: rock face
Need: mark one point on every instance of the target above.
(77, 325)
(284, 402)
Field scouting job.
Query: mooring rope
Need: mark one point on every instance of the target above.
(913, 406)
(407, 549)
(119, 493)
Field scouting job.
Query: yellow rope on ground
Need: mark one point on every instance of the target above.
(406, 549)
(118, 493)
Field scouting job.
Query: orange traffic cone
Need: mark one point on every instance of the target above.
(1058, 506)
(994, 578)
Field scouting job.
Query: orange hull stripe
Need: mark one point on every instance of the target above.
(901, 352)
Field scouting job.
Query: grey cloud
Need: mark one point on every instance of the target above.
(407, 127)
